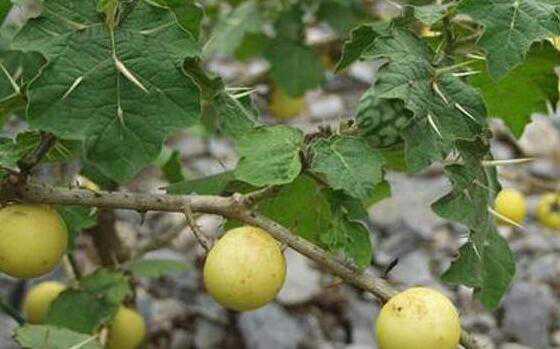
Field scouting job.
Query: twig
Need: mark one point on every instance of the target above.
(259, 195)
(160, 241)
(74, 265)
(203, 240)
(32, 159)
(229, 207)
(13, 313)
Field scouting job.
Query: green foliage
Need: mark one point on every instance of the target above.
(77, 219)
(510, 27)
(87, 59)
(173, 168)
(155, 268)
(91, 304)
(269, 156)
(41, 337)
(524, 90)
(349, 164)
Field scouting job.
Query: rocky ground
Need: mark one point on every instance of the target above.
(313, 311)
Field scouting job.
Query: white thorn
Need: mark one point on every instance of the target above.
(504, 218)
(473, 56)
(128, 74)
(12, 81)
(74, 85)
(466, 73)
(490, 163)
(438, 91)
(464, 111)
(433, 124)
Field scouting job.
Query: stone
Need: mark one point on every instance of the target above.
(270, 327)
(302, 280)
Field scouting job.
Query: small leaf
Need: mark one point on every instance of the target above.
(211, 185)
(348, 163)
(93, 303)
(269, 156)
(524, 90)
(286, 59)
(155, 268)
(173, 168)
(230, 116)
(51, 337)
(430, 14)
(231, 30)
(360, 43)
(77, 219)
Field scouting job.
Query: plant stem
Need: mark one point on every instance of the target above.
(233, 207)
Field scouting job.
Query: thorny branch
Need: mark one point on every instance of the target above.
(233, 207)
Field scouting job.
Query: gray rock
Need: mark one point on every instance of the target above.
(302, 280)
(208, 334)
(270, 327)
(413, 269)
(7, 327)
(513, 346)
(327, 107)
(528, 311)
(545, 269)
(181, 339)
(362, 315)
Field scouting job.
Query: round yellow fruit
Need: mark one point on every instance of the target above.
(283, 106)
(33, 238)
(38, 300)
(127, 331)
(418, 318)
(245, 269)
(548, 210)
(86, 183)
(511, 204)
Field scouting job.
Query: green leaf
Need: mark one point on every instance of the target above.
(302, 207)
(380, 192)
(20, 68)
(230, 116)
(510, 27)
(12, 150)
(5, 7)
(491, 275)
(486, 262)
(155, 268)
(51, 337)
(189, 14)
(430, 14)
(360, 42)
(137, 103)
(524, 90)
(77, 219)
(231, 30)
(269, 156)
(350, 237)
(382, 121)
(173, 168)
(445, 109)
(341, 15)
(286, 59)
(349, 164)
(289, 24)
(93, 303)
(211, 185)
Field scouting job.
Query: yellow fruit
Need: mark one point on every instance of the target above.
(418, 318)
(283, 106)
(38, 300)
(33, 238)
(548, 210)
(245, 269)
(127, 331)
(511, 204)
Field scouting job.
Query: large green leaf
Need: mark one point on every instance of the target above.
(349, 164)
(359, 44)
(510, 27)
(18, 68)
(93, 303)
(122, 91)
(351, 238)
(269, 156)
(77, 219)
(51, 337)
(524, 90)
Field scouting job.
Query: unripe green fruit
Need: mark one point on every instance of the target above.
(33, 239)
(38, 300)
(282, 106)
(511, 204)
(418, 318)
(127, 331)
(245, 269)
